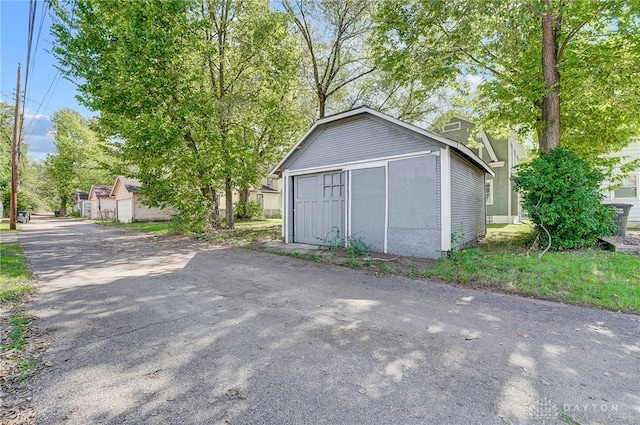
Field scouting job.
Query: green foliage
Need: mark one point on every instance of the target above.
(15, 278)
(197, 95)
(15, 338)
(250, 210)
(561, 193)
(496, 47)
(79, 159)
(353, 245)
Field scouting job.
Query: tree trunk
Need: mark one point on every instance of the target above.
(244, 195)
(551, 102)
(228, 193)
(322, 101)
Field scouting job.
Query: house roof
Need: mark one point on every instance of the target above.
(100, 191)
(364, 110)
(132, 185)
(268, 189)
(81, 195)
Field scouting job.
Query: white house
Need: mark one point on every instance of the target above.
(128, 206)
(629, 192)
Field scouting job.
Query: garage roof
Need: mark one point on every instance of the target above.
(461, 148)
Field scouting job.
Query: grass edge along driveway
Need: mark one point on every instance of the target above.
(502, 262)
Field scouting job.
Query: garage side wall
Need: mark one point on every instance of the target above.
(468, 207)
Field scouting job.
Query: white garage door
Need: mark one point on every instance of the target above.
(319, 208)
(125, 211)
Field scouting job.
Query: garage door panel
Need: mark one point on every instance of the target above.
(125, 211)
(319, 207)
(368, 199)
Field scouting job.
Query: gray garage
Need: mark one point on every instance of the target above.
(399, 188)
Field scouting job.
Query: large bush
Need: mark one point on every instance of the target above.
(251, 210)
(561, 193)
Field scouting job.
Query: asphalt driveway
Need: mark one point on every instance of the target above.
(158, 330)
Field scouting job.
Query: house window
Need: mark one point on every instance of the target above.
(333, 185)
(452, 126)
(488, 192)
(260, 199)
(629, 188)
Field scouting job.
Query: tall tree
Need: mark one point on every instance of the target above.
(79, 159)
(333, 34)
(195, 92)
(542, 63)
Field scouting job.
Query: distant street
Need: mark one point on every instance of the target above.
(164, 330)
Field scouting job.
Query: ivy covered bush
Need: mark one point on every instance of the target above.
(561, 193)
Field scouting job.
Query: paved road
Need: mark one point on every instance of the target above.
(163, 331)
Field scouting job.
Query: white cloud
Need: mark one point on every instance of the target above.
(37, 135)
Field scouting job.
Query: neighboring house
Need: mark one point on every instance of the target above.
(269, 195)
(503, 201)
(399, 188)
(103, 206)
(81, 204)
(629, 192)
(125, 191)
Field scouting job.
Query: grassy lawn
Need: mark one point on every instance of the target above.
(15, 277)
(590, 277)
(245, 231)
(156, 227)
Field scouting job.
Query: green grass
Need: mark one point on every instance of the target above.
(155, 227)
(16, 340)
(590, 277)
(16, 282)
(257, 223)
(15, 277)
(245, 231)
(4, 226)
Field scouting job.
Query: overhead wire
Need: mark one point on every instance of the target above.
(56, 78)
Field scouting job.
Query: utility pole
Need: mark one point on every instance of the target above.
(15, 159)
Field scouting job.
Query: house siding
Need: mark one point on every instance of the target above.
(144, 213)
(468, 207)
(505, 207)
(356, 139)
(628, 154)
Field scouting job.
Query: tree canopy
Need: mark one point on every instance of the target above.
(197, 94)
(80, 158)
(540, 64)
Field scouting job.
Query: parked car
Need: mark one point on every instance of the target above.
(23, 217)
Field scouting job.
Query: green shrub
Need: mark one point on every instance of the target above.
(353, 245)
(251, 210)
(561, 193)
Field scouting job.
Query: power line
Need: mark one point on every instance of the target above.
(31, 25)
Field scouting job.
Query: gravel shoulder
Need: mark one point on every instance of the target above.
(150, 330)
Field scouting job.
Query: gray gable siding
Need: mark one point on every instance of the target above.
(467, 200)
(459, 135)
(357, 139)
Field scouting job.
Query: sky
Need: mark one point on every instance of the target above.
(46, 91)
